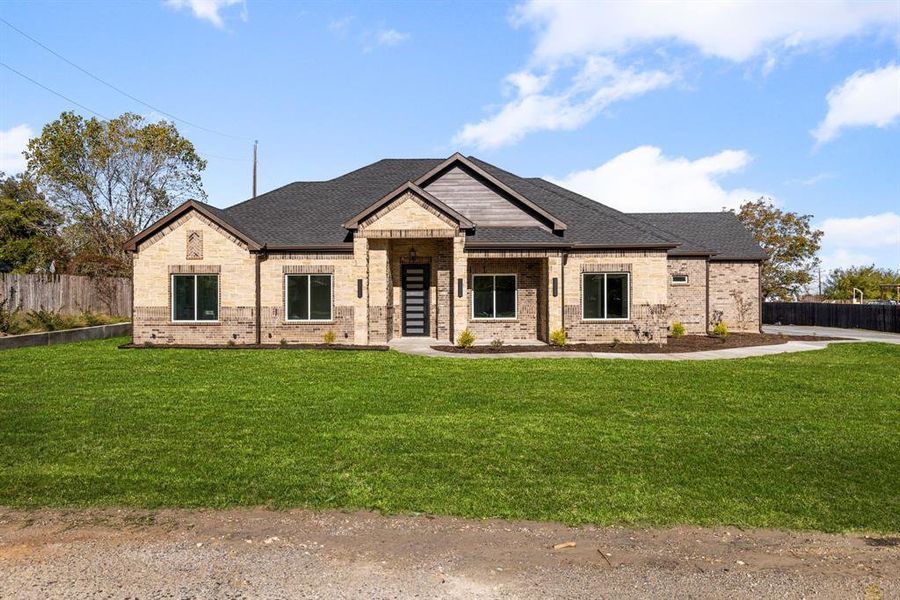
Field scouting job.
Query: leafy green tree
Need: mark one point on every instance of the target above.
(110, 179)
(840, 282)
(29, 227)
(791, 243)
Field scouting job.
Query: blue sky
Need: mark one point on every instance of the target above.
(646, 107)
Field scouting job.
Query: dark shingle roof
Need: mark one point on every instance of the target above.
(721, 232)
(312, 214)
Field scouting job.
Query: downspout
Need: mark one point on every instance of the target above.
(562, 291)
(706, 325)
(759, 293)
(260, 257)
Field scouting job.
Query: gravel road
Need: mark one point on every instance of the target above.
(314, 554)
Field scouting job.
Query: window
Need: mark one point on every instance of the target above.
(604, 295)
(679, 279)
(307, 297)
(195, 297)
(493, 296)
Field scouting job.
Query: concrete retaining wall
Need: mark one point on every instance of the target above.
(65, 336)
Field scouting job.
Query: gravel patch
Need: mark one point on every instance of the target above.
(235, 554)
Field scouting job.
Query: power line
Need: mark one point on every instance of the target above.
(92, 111)
(52, 91)
(117, 89)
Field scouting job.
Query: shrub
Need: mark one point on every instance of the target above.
(720, 330)
(497, 343)
(677, 329)
(558, 338)
(45, 320)
(465, 339)
(328, 337)
(8, 321)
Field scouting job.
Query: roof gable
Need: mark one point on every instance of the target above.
(405, 192)
(213, 214)
(471, 171)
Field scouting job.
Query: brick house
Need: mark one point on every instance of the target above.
(430, 247)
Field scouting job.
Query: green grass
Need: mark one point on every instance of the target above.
(809, 440)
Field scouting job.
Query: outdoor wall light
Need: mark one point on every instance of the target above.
(412, 254)
(555, 287)
(459, 287)
(359, 290)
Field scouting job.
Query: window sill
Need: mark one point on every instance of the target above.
(307, 322)
(617, 321)
(496, 320)
(194, 323)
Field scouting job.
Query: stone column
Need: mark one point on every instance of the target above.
(554, 303)
(360, 305)
(460, 271)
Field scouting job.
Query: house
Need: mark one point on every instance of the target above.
(430, 247)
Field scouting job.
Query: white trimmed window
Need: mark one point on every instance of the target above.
(195, 297)
(679, 279)
(307, 297)
(494, 297)
(605, 296)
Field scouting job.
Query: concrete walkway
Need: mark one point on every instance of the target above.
(422, 346)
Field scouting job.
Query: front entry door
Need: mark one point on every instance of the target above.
(415, 299)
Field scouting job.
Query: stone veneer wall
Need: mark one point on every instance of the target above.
(272, 282)
(649, 285)
(688, 302)
(727, 278)
(529, 278)
(167, 252)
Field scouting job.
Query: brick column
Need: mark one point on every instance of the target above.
(379, 292)
(460, 271)
(360, 305)
(554, 303)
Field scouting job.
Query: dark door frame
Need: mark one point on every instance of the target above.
(426, 299)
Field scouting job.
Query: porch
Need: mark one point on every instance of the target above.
(433, 288)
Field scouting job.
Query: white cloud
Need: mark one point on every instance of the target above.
(340, 27)
(208, 10)
(815, 179)
(12, 143)
(863, 232)
(865, 98)
(738, 30)
(842, 258)
(872, 239)
(599, 83)
(644, 180)
(390, 37)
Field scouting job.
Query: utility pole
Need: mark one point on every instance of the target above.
(255, 142)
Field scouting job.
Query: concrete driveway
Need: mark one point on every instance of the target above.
(857, 334)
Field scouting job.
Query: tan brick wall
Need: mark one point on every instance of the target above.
(649, 278)
(438, 253)
(153, 263)
(407, 212)
(275, 327)
(727, 278)
(528, 273)
(688, 302)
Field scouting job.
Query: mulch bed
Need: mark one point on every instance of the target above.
(255, 347)
(687, 343)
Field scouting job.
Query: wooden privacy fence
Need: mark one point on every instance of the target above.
(877, 317)
(67, 294)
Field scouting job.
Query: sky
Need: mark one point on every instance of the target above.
(644, 106)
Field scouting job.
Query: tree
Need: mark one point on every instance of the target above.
(29, 227)
(840, 282)
(790, 242)
(110, 179)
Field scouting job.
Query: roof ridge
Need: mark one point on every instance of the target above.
(624, 217)
(272, 191)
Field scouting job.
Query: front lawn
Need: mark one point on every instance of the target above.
(808, 440)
